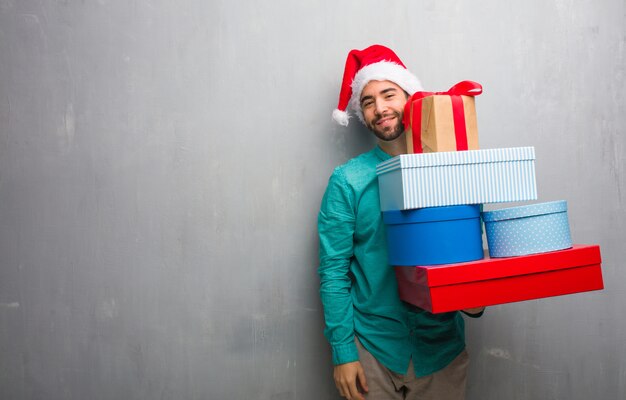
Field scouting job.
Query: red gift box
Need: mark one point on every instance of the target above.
(490, 281)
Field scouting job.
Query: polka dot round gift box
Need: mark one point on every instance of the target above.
(532, 229)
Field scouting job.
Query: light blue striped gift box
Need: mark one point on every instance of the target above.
(452, 178)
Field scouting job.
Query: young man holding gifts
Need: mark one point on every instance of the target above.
(382, 348)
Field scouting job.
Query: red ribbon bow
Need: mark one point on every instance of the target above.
(464, 88)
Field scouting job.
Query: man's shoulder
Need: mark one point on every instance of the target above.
(357, 167)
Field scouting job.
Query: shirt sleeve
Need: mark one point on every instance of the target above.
(336, 225)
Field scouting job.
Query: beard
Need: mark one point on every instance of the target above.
(388, 133)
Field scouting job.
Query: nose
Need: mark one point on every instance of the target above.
(381, 106)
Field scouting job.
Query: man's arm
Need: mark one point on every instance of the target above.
(336, 224)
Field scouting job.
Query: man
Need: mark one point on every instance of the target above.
(382, 348)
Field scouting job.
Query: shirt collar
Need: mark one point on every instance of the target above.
(381, 154)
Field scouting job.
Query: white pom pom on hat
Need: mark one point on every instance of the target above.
(341, 117)
(377, 63)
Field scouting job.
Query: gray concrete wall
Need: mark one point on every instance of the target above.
(162, 163)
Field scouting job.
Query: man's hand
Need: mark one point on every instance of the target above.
(347, 379)
(474, 311)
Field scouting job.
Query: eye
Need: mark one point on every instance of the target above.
(390, 96)
(367, 103)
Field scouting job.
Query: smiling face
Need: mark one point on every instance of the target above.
(382, 103)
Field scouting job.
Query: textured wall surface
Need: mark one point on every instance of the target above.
(162, 164)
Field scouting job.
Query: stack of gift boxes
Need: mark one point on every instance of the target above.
(432, 203)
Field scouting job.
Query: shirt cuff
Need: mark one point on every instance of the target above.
(345, 353)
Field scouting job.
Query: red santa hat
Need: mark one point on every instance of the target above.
(377, 63)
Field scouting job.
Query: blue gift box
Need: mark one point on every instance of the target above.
(435, 235)
(411, 181)
(536, 228)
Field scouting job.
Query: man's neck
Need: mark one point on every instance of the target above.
(394, 147)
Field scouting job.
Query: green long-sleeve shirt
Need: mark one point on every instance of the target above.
(358, 288)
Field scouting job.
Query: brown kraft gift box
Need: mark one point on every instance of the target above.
(434, 114)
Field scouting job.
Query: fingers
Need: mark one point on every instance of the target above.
(341, 393)
(354, 392)
(349, 390)
(362, 379)
(347, 379)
